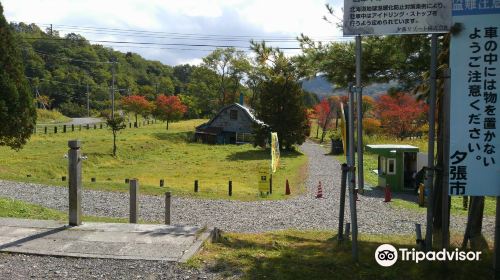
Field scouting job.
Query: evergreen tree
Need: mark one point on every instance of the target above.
(17, 109)
(280, 102)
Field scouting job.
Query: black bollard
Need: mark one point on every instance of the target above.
(195, 185)
(230, 188)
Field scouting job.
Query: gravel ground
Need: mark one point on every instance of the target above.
(301, 212)
(20, 266)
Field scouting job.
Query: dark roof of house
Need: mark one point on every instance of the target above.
(247, 111)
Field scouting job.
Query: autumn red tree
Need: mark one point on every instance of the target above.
(169, 108)
(401, 115)
(324, 114)
(138, 105)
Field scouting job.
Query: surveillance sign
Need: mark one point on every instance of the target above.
(475, 82)
(384, 17)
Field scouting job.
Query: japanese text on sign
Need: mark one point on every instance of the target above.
(381, 17)
(474, 168)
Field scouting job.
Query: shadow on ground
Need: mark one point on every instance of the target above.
(175, 137)
(260, 155)
(302, 255)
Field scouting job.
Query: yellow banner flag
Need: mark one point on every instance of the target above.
(275, 152)
(343, 127)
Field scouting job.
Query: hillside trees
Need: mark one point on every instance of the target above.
(169, 108)
(17, 107)
(401, 115)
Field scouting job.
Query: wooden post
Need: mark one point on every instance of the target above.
(162, 182)
(271, 183)
(100, 125)
(45, 130)
(195, 185)
(421, 195)
(134, 201)
(64, 128)
(72, 127)
(168, 203)
(418, 233)
(75, 183)
(55, 129)
(230, 188)
(88, 126)
(95, 126)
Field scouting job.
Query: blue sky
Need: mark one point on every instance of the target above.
(258, 19)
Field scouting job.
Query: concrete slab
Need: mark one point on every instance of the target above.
(102, 240)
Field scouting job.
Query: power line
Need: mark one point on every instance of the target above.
(199, 35)
(156, 44)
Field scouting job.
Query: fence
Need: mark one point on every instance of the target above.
(66, 128)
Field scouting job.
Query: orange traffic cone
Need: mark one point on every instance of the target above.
(287, 189)
(320, 191)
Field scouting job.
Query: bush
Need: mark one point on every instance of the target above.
(73, 110)
(371, 126)
(50, 116)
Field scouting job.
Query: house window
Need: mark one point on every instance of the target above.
(391, 166)
(233, 114)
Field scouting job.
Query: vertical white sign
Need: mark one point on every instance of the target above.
(475, 83)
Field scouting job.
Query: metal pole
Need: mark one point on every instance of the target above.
(113, 91)
(75, 183)
(446, 155)
(359, 92)
(352, 179)
(343, 182)
(88, 102)
(430, 155)
(496, 249)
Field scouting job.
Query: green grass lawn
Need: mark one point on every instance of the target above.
(11, 208)
(151, 153)
(316, 255)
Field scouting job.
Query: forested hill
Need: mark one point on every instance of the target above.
(62, 67)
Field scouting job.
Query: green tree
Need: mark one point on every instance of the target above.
(281, 98)
(115, 124)
(231, 66)
(17, 107)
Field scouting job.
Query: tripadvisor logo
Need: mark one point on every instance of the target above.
(387, 255)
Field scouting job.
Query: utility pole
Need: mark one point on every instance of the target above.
(359, 95)
(51, 30)
(113, 90)
(88, 101)
(429, 182)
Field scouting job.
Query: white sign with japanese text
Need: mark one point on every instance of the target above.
(475, 80)
(384, 17)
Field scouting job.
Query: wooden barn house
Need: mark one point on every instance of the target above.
(233, 124)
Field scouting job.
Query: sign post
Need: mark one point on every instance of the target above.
(474, 52)
(385, 17)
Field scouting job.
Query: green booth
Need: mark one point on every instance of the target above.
(397, 166)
